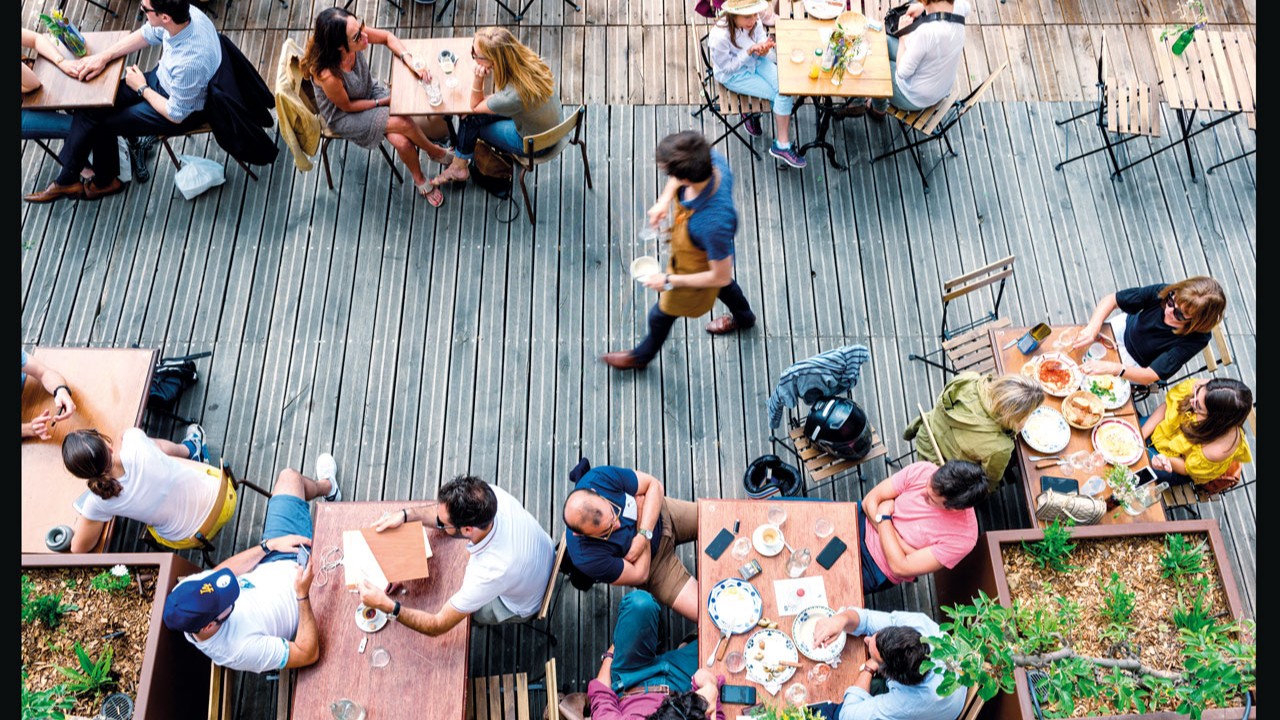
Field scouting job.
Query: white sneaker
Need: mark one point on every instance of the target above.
(194, 441)
(327, 469)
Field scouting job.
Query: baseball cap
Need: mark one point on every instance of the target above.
(192, 604)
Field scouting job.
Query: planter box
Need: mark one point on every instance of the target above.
(174, 679)
(983, 569)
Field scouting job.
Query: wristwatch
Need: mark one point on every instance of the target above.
(666, 282)
(883, 516)
(648, 534)
(1122, 369)
(141, 90)
(264, 547)
(606, 654)
(395, 611)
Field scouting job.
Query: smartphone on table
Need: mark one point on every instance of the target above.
(1144, 476)
(737, 695)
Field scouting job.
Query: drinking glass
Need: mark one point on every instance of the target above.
(777, 515)
(448, 62)
(823, 528)
(797, 694)
(1096, 351)
(735, 661)
(741, 548)
(345, 709)
(797, 56)
(1066, 338)
(820, 673)
(853, 66)
(434, 96)
(379, 658)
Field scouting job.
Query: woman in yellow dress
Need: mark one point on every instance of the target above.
(1197, 434)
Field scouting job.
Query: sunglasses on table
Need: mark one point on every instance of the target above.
(1171, 302)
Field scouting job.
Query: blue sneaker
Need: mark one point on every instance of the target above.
(194, 442)
(787, 156)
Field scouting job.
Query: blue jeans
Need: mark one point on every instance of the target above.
(286, 515)
(873, 578)
(45, 125)
(497, 130)
(660, 323)
(635, 649)
(96, 131)
(899, 100)
(760, 81)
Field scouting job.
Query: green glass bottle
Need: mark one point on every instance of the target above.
(1184, 40)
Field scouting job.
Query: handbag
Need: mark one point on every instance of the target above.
(1226, 481)
(492, 171)
(895, 14)
(1084, 510)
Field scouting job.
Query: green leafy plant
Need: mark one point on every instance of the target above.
(1054, 551)
(93, 676)
(1117, 609)
(51, 704)
(786, 712)
(47, 609)
(1192, 613)
(114, 581)
(1182, 558)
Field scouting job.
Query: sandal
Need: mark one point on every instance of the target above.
(431, 193)
(450, 175)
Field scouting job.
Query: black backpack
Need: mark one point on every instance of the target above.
(169, 380)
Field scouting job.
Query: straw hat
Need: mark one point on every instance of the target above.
(743, 7)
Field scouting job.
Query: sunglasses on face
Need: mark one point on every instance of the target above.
(146, 10)
(359, 34)
(1171, 302)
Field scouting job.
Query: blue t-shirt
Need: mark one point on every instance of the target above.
(24, 365)
(1152, 343)
(603, 559)
(714, 221)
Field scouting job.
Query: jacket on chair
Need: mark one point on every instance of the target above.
(238, 108)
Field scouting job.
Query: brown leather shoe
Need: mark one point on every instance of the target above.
(622, 361)
(55, 191)
(93, 192)
(722, 325)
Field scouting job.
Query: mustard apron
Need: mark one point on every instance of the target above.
(687, 259)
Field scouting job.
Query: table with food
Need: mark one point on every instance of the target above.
(769, 572)
(1087, 432)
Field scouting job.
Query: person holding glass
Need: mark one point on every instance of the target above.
(355, 105)
(524, 101)
(924, 63)
(1161, 328)
(1197, 433)
(744, 59)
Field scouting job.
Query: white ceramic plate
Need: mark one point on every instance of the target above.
(1032, 370)
(802, 634)
(1113, 390)
(734, 605)
(1118, 441)
(822, 10)
(370, 619)
(764, 651)
(1046, 431)
(757, 539)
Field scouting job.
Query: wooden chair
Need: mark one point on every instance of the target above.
(1187, 497)
(506, 697)
(529, 160)
(724, 103)
(222, 513)
(221, 692)
(822, 468)
(972, 701)
(933, 123)
(968, 346)
(327, 136)
(1124, 108)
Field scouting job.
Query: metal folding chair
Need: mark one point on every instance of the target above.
(723, 102)
(968, 347)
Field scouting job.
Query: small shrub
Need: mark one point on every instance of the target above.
(51, 704)
(48, 609)
(93, 676)
(1181, 558)
(114, 581)
(1117, 609)
(1054, 551)
(1192, 614)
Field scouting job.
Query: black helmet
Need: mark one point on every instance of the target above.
(767, 475)
(839, 427)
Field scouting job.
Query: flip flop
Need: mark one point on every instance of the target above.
(431, 193)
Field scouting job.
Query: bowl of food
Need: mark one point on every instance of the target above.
(1119, 442)
(1113, 390)
(643, 267)
(1057, 373)
(1046, 431)
(1082, 409)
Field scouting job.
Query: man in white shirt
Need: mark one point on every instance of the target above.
(510, 564)
(923, 63)
(253, 611)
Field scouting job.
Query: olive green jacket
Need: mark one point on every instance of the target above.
(964, 430)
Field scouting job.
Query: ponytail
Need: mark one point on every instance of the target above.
(87, 454)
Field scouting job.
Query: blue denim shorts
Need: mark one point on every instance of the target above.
(286, 515)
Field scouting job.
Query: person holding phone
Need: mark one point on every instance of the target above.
(636, 682)
(1197, 433)
(56, 385)
(895, 650)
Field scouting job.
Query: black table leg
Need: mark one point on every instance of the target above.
(823, 107)
(1184, 121)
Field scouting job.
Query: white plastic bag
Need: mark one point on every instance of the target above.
(197, 175)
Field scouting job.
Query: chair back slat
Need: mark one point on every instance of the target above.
(924, 418)
(543, 140)
(521, 692)
(976, 96)
(555, 576)
(977, 279)
(553, 691)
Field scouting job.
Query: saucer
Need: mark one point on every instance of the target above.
(370, 619)
(757, 539)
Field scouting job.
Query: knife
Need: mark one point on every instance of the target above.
(1010, 344)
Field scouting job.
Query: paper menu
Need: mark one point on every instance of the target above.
(393, 555)
(794, 595)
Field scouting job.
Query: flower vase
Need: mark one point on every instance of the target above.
(1183, 41)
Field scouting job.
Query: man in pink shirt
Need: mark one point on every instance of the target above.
(919, 520)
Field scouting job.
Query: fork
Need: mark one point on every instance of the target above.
(1038, 458)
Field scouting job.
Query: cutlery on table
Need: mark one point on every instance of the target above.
(711, 659)
(1049, 464)
(1038, 458)
(1010, 344)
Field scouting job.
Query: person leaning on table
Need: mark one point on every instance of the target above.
(895, 650)
(56, 385)
(1161, 328)
(511, 558)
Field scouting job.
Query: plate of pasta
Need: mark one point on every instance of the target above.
(1119, 442)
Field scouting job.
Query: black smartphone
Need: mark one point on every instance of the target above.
(737, 695)
(1061, 484)
(717, 546)
(1144, 476)
(832, 552)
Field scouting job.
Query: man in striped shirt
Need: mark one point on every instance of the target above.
(168, 100)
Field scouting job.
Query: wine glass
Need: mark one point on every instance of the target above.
(1066, 338)
(797, 694)
(819, 673)
(448, 62)
(741, 548)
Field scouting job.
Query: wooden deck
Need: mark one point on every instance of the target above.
(418, 344)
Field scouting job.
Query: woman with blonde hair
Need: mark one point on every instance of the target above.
(976, 418)
(1162, 327)
(356, 106)
(524, 101)
(1197, 433)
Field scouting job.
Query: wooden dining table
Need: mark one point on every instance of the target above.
(426, 676)
(805, 34)
(109, 387)
(1011, 360)
(59, 91)
(409, 97)
(843, 585)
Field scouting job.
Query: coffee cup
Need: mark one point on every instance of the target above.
(771, 536)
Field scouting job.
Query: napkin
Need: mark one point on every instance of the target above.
(794, 595)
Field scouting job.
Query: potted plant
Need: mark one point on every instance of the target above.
(92, 625)
(1193, 17)
(1140, 620)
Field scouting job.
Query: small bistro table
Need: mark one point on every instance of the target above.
(426, 677)
(843, 584)
(58, 91)
(109, 387)
(408, 97)
(1011, 361)
(874, 81)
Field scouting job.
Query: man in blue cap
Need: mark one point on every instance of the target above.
(252, 612)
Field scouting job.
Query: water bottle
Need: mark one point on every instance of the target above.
(816, 68)
(798, 562)
(1146, 496)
